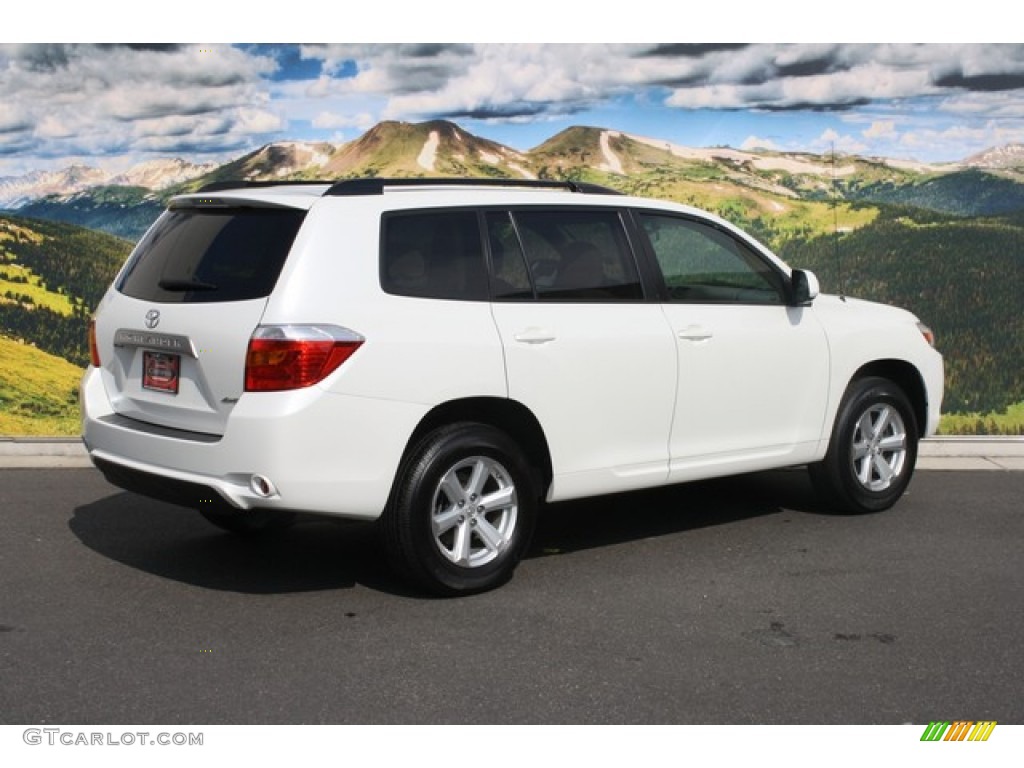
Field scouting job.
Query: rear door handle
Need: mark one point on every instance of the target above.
(694, 333)
(534, 336)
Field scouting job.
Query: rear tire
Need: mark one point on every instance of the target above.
(462, 511)
(872, 451)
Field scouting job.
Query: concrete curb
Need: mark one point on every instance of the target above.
(942, 453)
(985, 453)
(42, 453)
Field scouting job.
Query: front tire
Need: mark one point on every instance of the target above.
(462, 512)
(873, 449)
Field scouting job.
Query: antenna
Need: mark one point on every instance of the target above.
(835, 226)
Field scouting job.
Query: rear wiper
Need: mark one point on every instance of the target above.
(186, 285)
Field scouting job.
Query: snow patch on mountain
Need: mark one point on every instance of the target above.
(612, 163)
(788, 163)
(1008, 156)
(17, 191)
(285, 158)
(522, 171)
(428, 155)
(160, 173)
(915, 166)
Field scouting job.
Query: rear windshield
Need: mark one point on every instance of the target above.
(211, 255)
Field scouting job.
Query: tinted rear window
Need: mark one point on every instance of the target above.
(578, 255)
(213, 255)
(434, 254)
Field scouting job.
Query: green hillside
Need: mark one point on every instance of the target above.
(22, 286)
(398, 149)
(964, 193)
(1007, 422)
(38, 391)
(51, 276)
(70, 259)
(124, 212)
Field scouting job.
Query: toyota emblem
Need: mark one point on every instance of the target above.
(153, 318)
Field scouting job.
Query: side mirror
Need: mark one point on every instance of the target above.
(805, 287)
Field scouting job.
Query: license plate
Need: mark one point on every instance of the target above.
(160, 371)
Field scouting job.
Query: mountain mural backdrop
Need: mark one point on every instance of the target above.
(944, 240)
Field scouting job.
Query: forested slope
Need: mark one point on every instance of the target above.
(963, 277)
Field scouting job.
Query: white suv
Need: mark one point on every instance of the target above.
(446, 355)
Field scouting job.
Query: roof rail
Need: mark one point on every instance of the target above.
(217, 186)
(376, 186)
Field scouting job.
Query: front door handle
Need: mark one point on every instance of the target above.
(695, 333)
(534, 336)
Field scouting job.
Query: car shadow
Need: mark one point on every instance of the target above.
(608, 520)
(317, 554)
(177, 543)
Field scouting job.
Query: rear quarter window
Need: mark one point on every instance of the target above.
(211, 255)
(433, 254)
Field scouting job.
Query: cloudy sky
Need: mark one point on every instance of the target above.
(117, 104)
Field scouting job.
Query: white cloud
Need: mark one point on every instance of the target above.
(52, 127)
(1000, 105)
(63, 100)
(962, 140)
(755, 142)
(880, 129)
(249, 120)
(501, 80)
(330, 120)
(13, 118)
(831, 139)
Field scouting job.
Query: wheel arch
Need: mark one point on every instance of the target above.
(510, 416)
(907, 377)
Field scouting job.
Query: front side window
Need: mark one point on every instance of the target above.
(433, 254)
(704, 265)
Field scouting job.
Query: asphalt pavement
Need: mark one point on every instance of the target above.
(733, 601)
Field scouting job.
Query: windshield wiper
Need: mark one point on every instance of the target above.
(186, 285)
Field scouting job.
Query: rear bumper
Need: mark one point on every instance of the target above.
(161, 487)
(321, 452)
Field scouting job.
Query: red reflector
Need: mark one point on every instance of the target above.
(277, 364)
(94, 352)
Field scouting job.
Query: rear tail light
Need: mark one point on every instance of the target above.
(94, 351)
(294, 356)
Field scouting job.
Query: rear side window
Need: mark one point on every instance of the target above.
(510, 278)
(433, 254)
(211, 255)
(578, 255)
